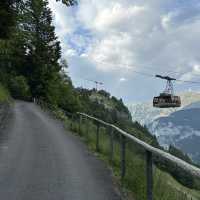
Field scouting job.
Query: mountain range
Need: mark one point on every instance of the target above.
(177, 126)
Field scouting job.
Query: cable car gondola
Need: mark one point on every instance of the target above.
(167, 99)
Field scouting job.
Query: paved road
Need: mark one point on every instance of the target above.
(40, 161)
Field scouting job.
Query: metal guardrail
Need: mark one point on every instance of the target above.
(150, 151)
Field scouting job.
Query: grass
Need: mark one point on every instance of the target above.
(4, 95)
(134, 183)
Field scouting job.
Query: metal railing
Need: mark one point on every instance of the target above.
(150, 152)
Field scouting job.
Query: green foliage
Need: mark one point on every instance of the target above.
(19, 88)
(7, 16)
(44, 49)
(181, 175)
(68, 2)
(4, 94)
(96, 104)
(104, 93)
(62, 94)
(179, 154)
(101, 105)
(30, 58)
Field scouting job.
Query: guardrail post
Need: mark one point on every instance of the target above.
(80, 121)
(149, 171)
(72, 121)
(87, 128)
(111, 144)
(123, 156)
(97, 137)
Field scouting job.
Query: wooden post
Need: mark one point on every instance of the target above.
(111, 144)
(97, 137)
(123, 157)
(72, 120)
(80, 121)
(87, 128)
(149, 171)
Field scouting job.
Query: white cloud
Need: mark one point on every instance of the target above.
(153, 36)
(122, 79)
(63, 18)
(116, 16)
(113, 50)
(196, 68)
(193, 73)
(138, 34)
(166, 20)
(70, 53)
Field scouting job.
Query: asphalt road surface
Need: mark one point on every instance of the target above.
(39, 160)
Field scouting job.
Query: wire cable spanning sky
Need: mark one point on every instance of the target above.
(153, 74)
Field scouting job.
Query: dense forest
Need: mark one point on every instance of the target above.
(31, 66)
(30, 59)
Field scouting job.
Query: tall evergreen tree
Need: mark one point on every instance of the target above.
(7, 15)
(69, 2)
(44, 49)
(8, 11)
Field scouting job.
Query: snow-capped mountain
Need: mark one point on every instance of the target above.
(180, 127)
(145, 113)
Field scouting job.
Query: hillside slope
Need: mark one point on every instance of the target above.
(103, 106)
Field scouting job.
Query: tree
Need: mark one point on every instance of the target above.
(13, 50)
(7, 15)
(68, 2)
(8, 12)
(179, 154)
(30, 64)
(44, 49)
(19, 88)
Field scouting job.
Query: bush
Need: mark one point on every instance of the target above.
(4, 94)
(19, 88)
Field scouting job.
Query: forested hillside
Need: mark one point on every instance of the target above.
(102, 105)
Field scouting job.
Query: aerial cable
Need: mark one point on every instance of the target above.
(146, 74)
(143, 73)
(184, 81)
(129, 67)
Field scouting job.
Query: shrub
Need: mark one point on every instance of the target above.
(19, 88)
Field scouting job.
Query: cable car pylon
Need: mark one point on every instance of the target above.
(97, 83)
(167, 99)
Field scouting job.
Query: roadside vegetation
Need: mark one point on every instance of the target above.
(133, 186)
(4, 95)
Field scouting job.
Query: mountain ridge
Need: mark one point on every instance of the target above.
(179, 127)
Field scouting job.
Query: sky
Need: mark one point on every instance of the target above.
(112, 40)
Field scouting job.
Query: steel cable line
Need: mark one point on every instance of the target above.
(150, 68)
(146, 74)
